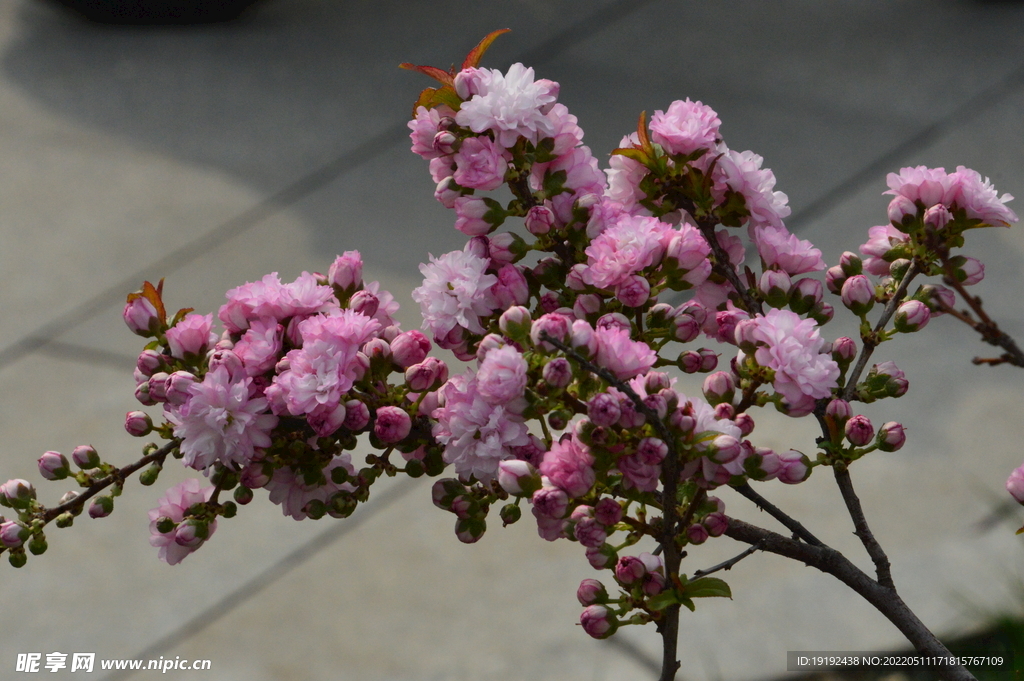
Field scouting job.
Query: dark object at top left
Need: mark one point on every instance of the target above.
(158, 12)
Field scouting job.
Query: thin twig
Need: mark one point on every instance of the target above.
(860, 523)
(774, 511)
(727, 565)
(986, 327)
(117, 476)
(869, 347)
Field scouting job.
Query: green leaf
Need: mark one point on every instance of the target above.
(688, 603)
(663, 600)
(707, 587)
(632, 152)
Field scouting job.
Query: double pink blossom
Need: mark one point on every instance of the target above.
(456, 292)
(569, 466)
(794, 349)
(173, 505)
(685, 127)
(509, 105)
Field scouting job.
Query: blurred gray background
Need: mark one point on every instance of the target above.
(210, 155)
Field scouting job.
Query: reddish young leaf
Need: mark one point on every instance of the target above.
(437, 74)
(474, 56)
(641, 133)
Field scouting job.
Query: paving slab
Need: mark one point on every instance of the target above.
(218, 154)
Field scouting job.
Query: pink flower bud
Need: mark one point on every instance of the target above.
(651, 451)
(149, 362)
(586, 305)
(937, 216)
(685, 328)
(690, 361)
(805, 295)
(138, 423)
(177, 387)
(708, 360)
(13, 534)
(558, 373)
(796, 467)
(141, 317)
(602, 557)
(1015, 484)
(844, 350)
(859, 430)
(470, 530)
(901, 211)
(719, 387)
(583, 338)
(158, 387)
(634, 291)
(101, 507)
(54, 466)
(429, 374)
(598, 621)
(539, 220)
(716, 524)
(615, 320)
(515, 322)
(834, 279)
(346, 273)
(726, 448)
(608, 512)
(604, 409)
(591, 591)
(512, 288)
(554, 325)
(393, 424)
(970, 272)
(507, 248)
(85, 457)
(629, 570)
(858, 294)
(446, 192)
(745, 422)
(839, 411)
(444, 142)
(891, 436)
(190, 535)
(408, 348)
(470, 212)
(774, 285)
(697, 534)
(17, 493)
(518, 477)
(851, 264)
(233, 363)
(364, 302)
(911, 315)
(551, 501)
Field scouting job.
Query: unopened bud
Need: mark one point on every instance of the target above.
(719, 387)
(858, 294)
(891, 436)
(591, 591)
(774, 286)
(911, 315)
(54, 466)
(101, 506)
(518, 477)
(138, 423)
(859, 430)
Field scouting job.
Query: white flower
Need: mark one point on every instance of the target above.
(456, 291)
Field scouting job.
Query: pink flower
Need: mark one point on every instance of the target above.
(476, 434)
(424, 128)
(624, 176)
(502, 376)
(927, 186)
(621, 355)
(191, 336)
(566, 133)
(778, 247)
(174, 504)
(141, 317)
(456, 292)
(260, 346)
(742, 173)
(346, 272)
(408, 348)
(794, 351)
(569, 466)
(510, 105)
(392, 425)
(481, 164)
(269, 298)
(289, 489)
(686, 127)
(980, 200)
(220, 421)
(1015, 484)
(881, 240)
(632, 244)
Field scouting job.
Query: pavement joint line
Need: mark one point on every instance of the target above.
(73, 352)
(271, 574)
(283, 198)
(973, 107)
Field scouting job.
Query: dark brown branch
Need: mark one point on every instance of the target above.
(861, 529)
(885, 599)
(774, 511)
(119, 476)
(669, 624)
(986, 327)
